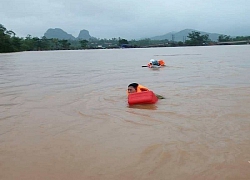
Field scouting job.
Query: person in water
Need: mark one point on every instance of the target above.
(135, 87)
(153, 62)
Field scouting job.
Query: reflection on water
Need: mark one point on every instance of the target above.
(144, 106)
(64, 114)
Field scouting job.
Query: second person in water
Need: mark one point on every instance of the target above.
(154, 62)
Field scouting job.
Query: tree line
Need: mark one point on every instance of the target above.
(10, 43)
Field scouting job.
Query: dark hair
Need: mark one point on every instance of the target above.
(134, 85)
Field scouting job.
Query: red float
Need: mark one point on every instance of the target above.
(144, 97)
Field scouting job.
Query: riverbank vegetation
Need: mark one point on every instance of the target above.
(9, 42)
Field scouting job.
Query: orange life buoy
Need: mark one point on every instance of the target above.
(161, 62)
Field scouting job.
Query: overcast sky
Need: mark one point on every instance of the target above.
(130, 19)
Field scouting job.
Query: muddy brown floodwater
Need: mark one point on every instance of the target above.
(64, 115)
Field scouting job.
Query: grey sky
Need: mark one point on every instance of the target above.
(130, 19)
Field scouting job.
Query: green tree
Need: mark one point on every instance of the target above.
(28, 43)
(37, 43)
(16, 44)
(55, 43)
(241, 38)
(196, 39)
(5, 41)
(144, 42)
(180, 43)
(224, 38)
(45, 43)
(64, 44)
(84, 43)
(122, 41)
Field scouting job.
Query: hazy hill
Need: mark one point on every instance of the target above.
(84, 34)
(182, 35)
(60, 34)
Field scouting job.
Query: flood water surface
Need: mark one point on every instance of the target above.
(64, 114)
